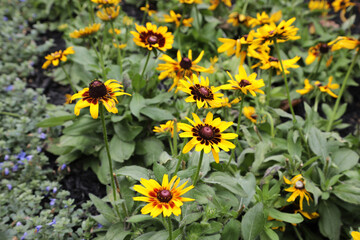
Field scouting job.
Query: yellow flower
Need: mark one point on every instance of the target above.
(200, 92)
(283, 32)
(215, 4)
(327, 88)
(176, 17)
(250, 113)
(316, 51)
(341, 5)
(153, 37)
(245, 83)
(263, 18)
(267, 62)
(117, 31)
(308, 215)
(106, 3)
(121, 46)
(190, 1)
(127, 21)
(224, 102)
(99, 92)
(322, 5)
(67, 99)
(183, 67)
(147, 10)
(167, 127)
(236, 46)
(355, 235)
(87, 31)
(108, 13)
(165, 198)
(298, 189)
(54, 58)
(207, 135)
(344, 42)
(236, 18)
(308, 87)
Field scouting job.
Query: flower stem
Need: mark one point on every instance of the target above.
(245, 7)
(196, 177)
(68, 78)
(268, 88)
(109, 156)
(170, 228)
(317, 67)
(146, 63)
(10, 114)
(180, 157)
(175, 138)
(145, 13)
(119, 58)
(286, 82)
(343, 86)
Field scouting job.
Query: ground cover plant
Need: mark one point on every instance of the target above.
(200, 119)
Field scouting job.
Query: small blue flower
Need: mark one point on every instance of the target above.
(29, 157)
(15, 168)
(21, 155)
(54, 189)
(52, 223)
(38, 227)
(99, 225)
(18, 224)
(6, 171)
(38, 148)
(7, 157)
(47, 188)
(9, 186)
(42, 136)
(24, 236)
(52, 201)
(63, 166)
(5, 19)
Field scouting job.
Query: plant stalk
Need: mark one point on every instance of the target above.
(196, 178)
(146, 63)
(68, 78)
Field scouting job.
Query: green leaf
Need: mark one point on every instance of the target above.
(136, 172)
(269, 234)
(82, 143)
(213, 227)
(318, 143)
(345, 159)
(55, 121)
(253, 222)
(151, 148)
(286, 217)
(260, 151)
(84, 125)
(136, 104)
(190, 218)
(127, 132)
(348, 191)
(157, 114)
(121, 150)
(137, 82)
(330, 220)
(226, 181)
(83, 56)
(139, 218)
(116, 232)
(103, 208)
(160, 98)
(231, 230)
(159, 171)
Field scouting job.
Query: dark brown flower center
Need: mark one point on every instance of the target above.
(97, 89)
(164, 196)
(299, 185)
(246, 36)
(324, 48)
(244, 83)
(185, 63)
(273, 59)
(206, 133)
(152, 39)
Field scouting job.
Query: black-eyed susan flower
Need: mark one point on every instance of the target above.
(116, 30)
(108, 13)
(308, 87)
(146, 9)
(56, 57)
(99, 92)
(245, 83)
(165, 198)
(85, 32)
(191, 1)
(183, 67)
(236, 18)
(215, 4)
(267, 62)
(250, 113)
(282, 32)
(344, 42)
(321, 5)
(106, 3)
(167, 127)
(298, 190)
(341, 5)
(200, 92)
(236, 46)
(225, 102)
(264, 18)
(153, 37)
(318, 50)
(176, 18)
(207, 135)
(355, 235)
(328, 87)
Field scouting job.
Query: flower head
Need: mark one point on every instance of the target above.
(53, 58)
(267, 62)
(236, 18)
(250, 113)
(183, 67)
(355, 235)
(106, 3)
(308, 87)
(108, 13)
(224, 102)
(344, 42)
(167, 127)
(207, 135)
(153, 37)
(298, 189)
(341, 5)
(200, 92)
(190, 1)
(215, 4)
(321, 5)
(176, 18)
(327, 88)
(165, 198)
(318, 50)
(85, 32)
(99, 92)
(263, 18)
(147, 10)
(245, 83)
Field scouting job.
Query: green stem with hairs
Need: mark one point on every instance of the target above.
(180, 158)
(109, 157)
(68, 78)
(343, 87)
(170, 228)
(286, 82)
(196, 177)
(245, 7)
(268, 87)
(145, 13)
(175, 138)
(146, 63)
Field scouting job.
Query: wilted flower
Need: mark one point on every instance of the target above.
(298, 189)
(236, 18)
(108, 13)
(308, 87)
(327, 88)
(250, 113)
(167, 127)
